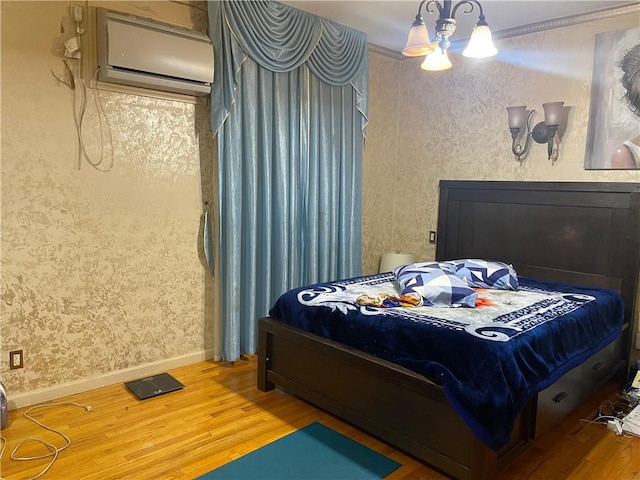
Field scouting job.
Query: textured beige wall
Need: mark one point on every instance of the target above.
(379, 166)
(101, 271)
(453, 125)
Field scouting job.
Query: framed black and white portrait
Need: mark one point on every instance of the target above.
(613, 135)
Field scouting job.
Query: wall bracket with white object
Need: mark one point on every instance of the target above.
(145, 53)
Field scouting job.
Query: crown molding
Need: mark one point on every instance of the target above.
(385, 52)
(529, 28)
(567, 21)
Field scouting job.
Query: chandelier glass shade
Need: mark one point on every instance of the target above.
(480, 44)
(437, 60)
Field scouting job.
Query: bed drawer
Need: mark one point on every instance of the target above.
(557, 400)
(599, 368)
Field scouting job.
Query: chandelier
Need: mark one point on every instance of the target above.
(418, 43)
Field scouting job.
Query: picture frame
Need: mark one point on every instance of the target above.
(614, 129)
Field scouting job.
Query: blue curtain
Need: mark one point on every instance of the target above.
(289, 106)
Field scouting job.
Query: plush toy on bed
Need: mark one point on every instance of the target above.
(387, 300)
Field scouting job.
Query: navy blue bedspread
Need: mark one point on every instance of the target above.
(489, 368)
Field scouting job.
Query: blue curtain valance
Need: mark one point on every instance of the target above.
(340, 55)
(281, 38)
(277, 37)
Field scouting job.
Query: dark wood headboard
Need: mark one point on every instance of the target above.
(574, 232)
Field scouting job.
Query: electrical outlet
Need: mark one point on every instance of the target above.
(15, 360)
(432, 236)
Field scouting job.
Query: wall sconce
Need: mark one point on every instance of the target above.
(543, 132)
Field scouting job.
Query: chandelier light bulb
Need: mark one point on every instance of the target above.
(437, 60)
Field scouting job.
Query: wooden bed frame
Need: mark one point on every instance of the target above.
(583, 233)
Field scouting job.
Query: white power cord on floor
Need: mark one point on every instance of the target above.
(54, 451)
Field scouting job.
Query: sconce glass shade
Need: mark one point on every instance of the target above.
(516, 116)
(436, 60)
(552, 113)
(481, 43)
(418, 42)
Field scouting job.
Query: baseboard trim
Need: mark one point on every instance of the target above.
(84, 385)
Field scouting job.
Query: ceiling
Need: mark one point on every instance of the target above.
(387, 22)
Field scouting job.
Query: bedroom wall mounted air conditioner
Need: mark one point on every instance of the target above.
(149, 54)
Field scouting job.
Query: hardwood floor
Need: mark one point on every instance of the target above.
(220, 415)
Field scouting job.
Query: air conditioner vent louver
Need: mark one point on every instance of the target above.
(144, 53)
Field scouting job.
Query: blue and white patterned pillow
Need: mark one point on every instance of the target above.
(436, 286)
(483, 273)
